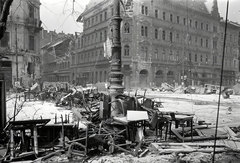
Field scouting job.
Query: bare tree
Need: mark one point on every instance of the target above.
(5, 6)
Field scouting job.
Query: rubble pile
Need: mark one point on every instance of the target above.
(134, 129)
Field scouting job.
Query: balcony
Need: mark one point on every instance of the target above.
(32, 22)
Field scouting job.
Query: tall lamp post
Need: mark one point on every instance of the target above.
(116, 75)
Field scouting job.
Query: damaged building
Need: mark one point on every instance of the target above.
(162, 41)
(21, 41)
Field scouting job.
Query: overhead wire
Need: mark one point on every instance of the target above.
(221, 82)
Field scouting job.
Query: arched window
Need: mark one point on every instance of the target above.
(163, 35)
(126, 27)
(126, 50)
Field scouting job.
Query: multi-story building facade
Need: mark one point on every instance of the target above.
(21, 41)
(162, 41)
(55, 56)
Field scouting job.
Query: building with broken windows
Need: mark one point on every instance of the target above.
(162, 41)
(55, 55)
(21, 41)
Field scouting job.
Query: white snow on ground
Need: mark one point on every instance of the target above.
(37, 110)
(203, 106)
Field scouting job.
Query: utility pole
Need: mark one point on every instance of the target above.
(16, 52)
(116, 75)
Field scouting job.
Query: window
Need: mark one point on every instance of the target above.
(146, 53)
(146, 10)
(206, 27)
(195, 40)
(146, 31)
(190, 23)
(156, 13)
(171, 37)
(100, 17)
(105, 15)
(93, 20)
(230, 37)
(96, 18)
(163, 35)
(170, 55)
(31, 43)
(100, 36)
(92, 38)
(178, 19)
(31, 11)
(164, 16)
(214, 44)
(163, 54)
(184, 21)
(190, 40)
(196, 24)
(201, 58)
(105, 35)
(177, 37)
(156, 54)
(196, 58)
(201, 44)
(190, 57)
(5, 40)
(214, 28)
(96, 37)
(171, 17)
(206, 43)
(201, 26)
(156, 33)
(126, 50)
(142, 30)
(143, 9)
(126, 27)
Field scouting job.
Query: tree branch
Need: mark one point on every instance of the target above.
(4, 16)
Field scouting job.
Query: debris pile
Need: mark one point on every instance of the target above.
(135, 125)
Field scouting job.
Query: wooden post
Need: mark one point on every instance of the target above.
(86, 143)
(63, 136)
(35, 139)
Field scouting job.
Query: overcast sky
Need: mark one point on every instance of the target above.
(61, 15)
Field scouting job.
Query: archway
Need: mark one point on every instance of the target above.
(159, 78)
(143, 75)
